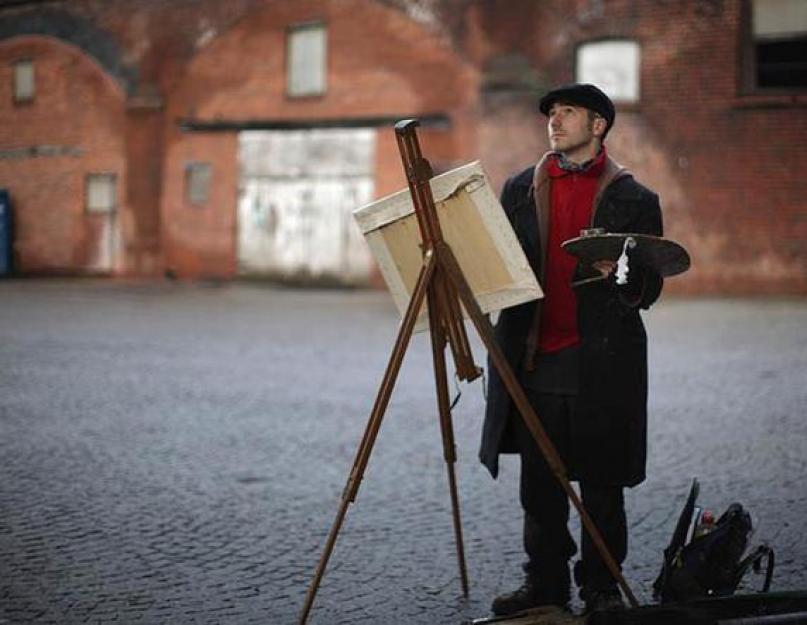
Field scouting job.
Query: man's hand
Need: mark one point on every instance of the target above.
(605, 267)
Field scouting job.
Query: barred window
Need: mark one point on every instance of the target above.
(778, 45)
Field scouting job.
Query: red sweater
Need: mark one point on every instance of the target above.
(571, 201)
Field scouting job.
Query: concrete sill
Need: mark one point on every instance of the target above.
(764, 101)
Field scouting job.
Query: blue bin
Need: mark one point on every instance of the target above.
(6, 233)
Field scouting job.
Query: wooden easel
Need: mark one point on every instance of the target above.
(442, 283)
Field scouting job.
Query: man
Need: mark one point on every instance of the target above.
(580, 353)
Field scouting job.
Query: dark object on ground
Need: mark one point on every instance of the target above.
(712, 564)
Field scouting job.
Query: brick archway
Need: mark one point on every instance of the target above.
(64, 145)
(78, 32)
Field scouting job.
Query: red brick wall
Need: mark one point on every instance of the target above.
(77, 107)
(727, 166)
(144, 165)
(394, 66)
(372, 72)
(199, 241)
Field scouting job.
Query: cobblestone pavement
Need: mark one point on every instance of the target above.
(175, 453)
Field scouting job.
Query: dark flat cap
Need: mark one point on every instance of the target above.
(587, 96)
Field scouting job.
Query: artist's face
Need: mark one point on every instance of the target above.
(572, 131)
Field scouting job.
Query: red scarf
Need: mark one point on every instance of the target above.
(571, 202)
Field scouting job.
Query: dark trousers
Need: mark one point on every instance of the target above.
(547, 540)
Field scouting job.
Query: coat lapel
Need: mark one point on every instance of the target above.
(541, 195)
(540, 186)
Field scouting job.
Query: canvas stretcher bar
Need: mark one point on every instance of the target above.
(473, 223)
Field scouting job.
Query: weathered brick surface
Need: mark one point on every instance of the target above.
(175, 454)
(727, 164)
(206, 61)
(240, 75)
(76, 124)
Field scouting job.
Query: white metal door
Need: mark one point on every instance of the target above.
(297, 192)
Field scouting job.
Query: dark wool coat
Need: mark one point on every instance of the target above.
(609, 427)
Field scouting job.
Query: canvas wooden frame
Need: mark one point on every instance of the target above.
(473, 224)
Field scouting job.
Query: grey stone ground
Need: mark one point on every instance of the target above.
(175, 454)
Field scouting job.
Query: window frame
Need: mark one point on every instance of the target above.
(192, 168)
(290, 31)
(748, 75)
(93, 210)
(618, 101)
(28, 98)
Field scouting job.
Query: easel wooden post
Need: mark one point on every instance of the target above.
(442, 283)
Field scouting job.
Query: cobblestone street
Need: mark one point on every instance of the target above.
(175, 453)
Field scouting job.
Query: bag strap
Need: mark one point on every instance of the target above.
(754, 559)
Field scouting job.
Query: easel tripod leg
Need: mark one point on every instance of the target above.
(531, 420)
(374, 423)
(438, 341)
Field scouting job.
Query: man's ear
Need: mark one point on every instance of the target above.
(599, 126)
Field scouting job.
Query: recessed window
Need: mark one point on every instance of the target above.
(24, 85)
(101, 191)
(613, 66)
(197, 183)
(306, 54)
(778, 44)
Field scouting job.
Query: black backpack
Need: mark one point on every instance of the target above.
(711, 564)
